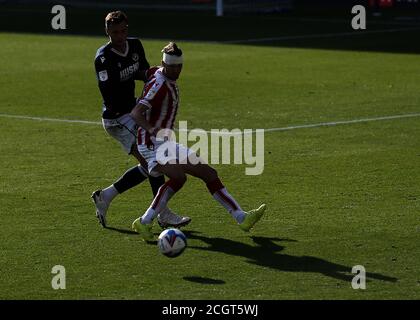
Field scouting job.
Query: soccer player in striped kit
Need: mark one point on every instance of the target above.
(118, 64)
(155, 114)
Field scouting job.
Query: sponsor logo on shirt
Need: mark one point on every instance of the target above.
(128, 72)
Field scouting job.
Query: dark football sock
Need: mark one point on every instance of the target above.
(156, 183)
(130, 178)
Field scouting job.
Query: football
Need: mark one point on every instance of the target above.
(172, 242)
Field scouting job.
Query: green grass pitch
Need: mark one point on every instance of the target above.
(337, 196)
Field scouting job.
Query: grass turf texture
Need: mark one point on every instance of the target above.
(337, 197)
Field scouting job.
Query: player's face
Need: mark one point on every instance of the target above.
(118, 33)
(172, 71)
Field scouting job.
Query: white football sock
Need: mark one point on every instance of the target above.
(230, 204)
(159, 203)
(239, 215)
(148, 216)
(109, 193)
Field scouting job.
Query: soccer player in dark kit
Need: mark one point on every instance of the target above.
(118, 64)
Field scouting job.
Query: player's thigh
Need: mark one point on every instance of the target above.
(123, 130)
(201, 170)
(189, 162)
(172, 171)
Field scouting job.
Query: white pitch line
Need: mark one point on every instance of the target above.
(335, 123)
(321, 35)
(304, 126)
(48, 119)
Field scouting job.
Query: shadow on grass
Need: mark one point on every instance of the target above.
(124, 231)
(267, 253)
(204, 280)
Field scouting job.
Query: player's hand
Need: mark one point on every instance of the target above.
(153, 131)
(151, 144)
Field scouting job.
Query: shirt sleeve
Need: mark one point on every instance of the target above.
(106, 77)
(154, 94)
(143, 63)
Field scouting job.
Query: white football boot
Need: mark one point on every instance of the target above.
(167, 218)
(101, 206)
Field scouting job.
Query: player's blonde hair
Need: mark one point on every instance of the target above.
(115, 17)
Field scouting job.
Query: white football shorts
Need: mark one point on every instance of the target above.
(123, 129)
(164, 152)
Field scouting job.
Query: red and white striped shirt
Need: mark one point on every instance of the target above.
(161, 95)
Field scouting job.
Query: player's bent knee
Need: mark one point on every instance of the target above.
(211, 173)
(176, 175)
(181, 179)
(177, 183)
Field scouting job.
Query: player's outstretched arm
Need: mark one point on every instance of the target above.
(139, 115)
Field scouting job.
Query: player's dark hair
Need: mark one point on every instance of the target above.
(172, 49)
(115, 17)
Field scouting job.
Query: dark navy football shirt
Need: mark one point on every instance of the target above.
(116, 72)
